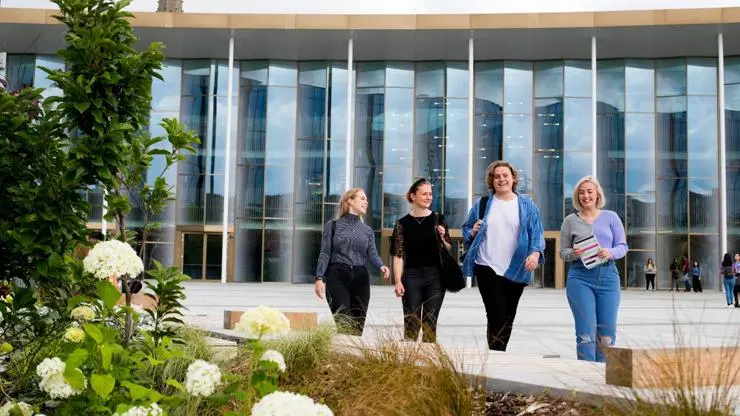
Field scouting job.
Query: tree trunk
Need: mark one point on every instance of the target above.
(124, 284)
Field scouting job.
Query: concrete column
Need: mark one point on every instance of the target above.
(350, 114)
(227, 162)
(722, 147)
(594, 120)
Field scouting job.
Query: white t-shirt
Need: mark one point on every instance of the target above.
(502, 235)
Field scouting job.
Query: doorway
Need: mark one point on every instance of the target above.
(201, 255)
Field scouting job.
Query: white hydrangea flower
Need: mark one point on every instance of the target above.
(153, 410)
(113, 257)
(202, 378)
(263, 321)
(51, 371)
(25, 408)
(275, 357)
(283, 403)
(83, 313)
(74, 334)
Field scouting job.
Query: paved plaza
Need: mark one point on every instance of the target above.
(544, 324)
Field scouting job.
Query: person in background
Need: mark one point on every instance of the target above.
(727, 270)
(650, 270)
(504, 248)
(696, 276)
(347, 244)
(416, 264)
(593, 294)
(736, 268)
(675, 273)
(686, 273)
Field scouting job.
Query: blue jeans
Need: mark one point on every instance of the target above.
(594, 296)
(729, 284)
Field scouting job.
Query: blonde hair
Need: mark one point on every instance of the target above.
(344, 201)
(498, 164)
(601, 201)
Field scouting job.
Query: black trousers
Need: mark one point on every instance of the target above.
(422, 301)
(501, 299)
(736, 290)
(696, 283)
(348, 295)
(649, 279)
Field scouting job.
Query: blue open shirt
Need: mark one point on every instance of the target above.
(531, 239)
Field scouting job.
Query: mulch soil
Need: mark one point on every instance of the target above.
(508, 404)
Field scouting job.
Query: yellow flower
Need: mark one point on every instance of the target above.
(83, 313)
(8, 299)
(74, 334)
(6, 348)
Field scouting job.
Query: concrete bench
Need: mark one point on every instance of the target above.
(299, 321)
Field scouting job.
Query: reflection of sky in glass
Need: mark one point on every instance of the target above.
(671, 77)
(732, 97)
(278, 180)
(429, 79)
(396, 181)
(283, 74)
(41, 78)
(457, 80)
(610, 84)
(548, 79)
(489, 82)
(281, 106)
(518, 84)
(640, 152)
(335, 174)
(702, 137)
(578, 124)
(576, 165)
(338, 116)
(398, 134)
(577, 78)
(732, 70)
(399, 74)
(518, 146)
(702, 76)
(639, 82)
(312, 74)
(218, 145)
(370, 74)
(456, 150)
(222, 79)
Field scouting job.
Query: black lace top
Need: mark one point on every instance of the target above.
(414, 240)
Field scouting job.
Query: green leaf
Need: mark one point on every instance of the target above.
(75, 301)
(76, 359)
(154, 396)
(241, 396)
(108, 293)
(176, 384)
(218, 399)
(75, 378)
(93, 332)
(103, 384)
(82, 106)
(107, 356)
(136, 391)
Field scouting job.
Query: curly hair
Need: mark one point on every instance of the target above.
(497, 164)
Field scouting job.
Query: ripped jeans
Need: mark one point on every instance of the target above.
(594, 296)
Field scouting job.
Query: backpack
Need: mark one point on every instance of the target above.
(481, 213)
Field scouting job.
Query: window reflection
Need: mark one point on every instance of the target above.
(577, 124)
(705, 249)
(640, 152)
(704, 205)
(702, 137)
(639, 82)
(517, 149)
(549, 189)
(577, 76)
(670, 75)
(278, 251)
(636, 261)
(673, 204)
(281, 114)
(701, 76)
(548, 79)
(671, 137)
(248, 249)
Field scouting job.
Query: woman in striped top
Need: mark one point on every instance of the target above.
(593, 287)
(346, 247)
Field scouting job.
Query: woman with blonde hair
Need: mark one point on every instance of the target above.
(347, 244)
(593, 287)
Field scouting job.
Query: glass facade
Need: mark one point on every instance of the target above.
(656, 152)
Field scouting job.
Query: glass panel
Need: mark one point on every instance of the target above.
(732, 70)
(456, 162)
(610, 85)
(162, 253)
(670, 77)
(338, 93)
(393, 209)
(278, 248)
(251, 191)
(312, 103)
(20, 69)
(548, 79)
(488, 147)
(195, 118)
(576, 166)
(670, 247)
(549, 189)
(370, 180)
(369, 128)
(636, 261)
(704, 205)
(253, 123)
(671, 136)
(518, 87)
(308, 246)
(640, 218)
(218, 140)
(283, 74)
(370, 74)
(672, 205)
(457, 80)
(549, 124)
(192, 255)
(429, 138)
(335, 170)
(248, 249)
(639, 81)
(254, 73)
(577, 78)
(702, 137)
(281, 113)
(399, 74)
(213, 256)
(214, 199)
(41, 78)
(489, 87)
(222, 78)
(518, 148)
(702, 76)
(190, 199)
(430, 79)
(309, 182)
(396, 182)
(610, 152)
(705, 250)
(195, 77)
(279, 192)
(640, 152)
(578, 124)
(399, 104)
(646, 240)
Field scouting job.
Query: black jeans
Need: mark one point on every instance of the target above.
(649, 279)
(348, 295)
(736, 290)
(501, 299)
(422, 301)
(696, 283)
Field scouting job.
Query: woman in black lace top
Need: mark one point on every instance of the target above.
(346, 246)
(416, 264)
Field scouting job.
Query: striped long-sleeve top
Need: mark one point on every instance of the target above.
(353, 245)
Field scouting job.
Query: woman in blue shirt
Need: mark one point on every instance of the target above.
(696, 276)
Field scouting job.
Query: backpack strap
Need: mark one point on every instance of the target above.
(482, 204)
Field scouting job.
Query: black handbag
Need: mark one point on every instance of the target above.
(450, 271)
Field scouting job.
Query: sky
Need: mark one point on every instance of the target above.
(406, 6)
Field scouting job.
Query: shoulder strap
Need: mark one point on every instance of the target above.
(482, 204)
(436, 233)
